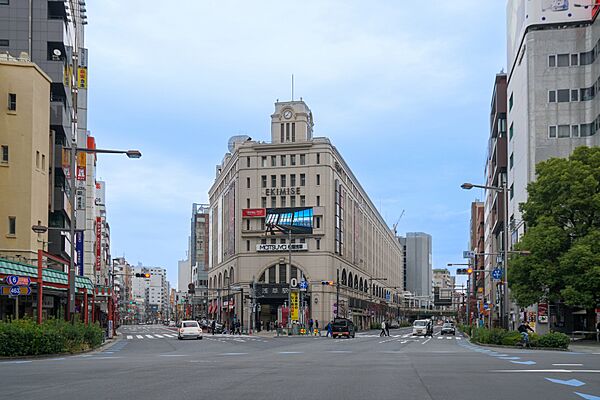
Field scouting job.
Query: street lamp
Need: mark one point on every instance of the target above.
(74, 150)
(504, 190)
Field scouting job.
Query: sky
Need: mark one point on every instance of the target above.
(402, 89)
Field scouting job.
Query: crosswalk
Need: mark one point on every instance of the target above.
(409, 336)
(153, 336)
(219, 338)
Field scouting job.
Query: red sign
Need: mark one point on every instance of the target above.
(543, 313)
(595, 11)
(254, 212)
(98, 242)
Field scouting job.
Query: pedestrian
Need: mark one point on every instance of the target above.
(317, 327)
(383, 332)
(238, 327)
(329, 330)
(310, 326)
(213, 325)
(387, 329)
(598, 332)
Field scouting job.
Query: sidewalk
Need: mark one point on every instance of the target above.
(585, 346)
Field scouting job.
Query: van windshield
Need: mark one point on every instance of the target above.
(420, 323)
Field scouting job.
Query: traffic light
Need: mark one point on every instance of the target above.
(142, 275)
(327, 283)
(464, 271)
(469, 270)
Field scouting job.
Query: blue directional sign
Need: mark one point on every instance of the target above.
(497, 274)
(571, 382)
(15, 290)
(303, 285)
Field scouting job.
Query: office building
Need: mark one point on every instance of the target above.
(419, 275)
(477, 246)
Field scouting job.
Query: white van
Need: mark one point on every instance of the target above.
(420, 327)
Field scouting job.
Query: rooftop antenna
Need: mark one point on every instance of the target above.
(292, 87)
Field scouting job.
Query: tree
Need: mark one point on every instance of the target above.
(562, 214)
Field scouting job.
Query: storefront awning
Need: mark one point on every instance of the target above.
(50, 276)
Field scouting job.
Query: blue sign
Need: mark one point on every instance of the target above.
(79, 251)
(303, 285)
(497, 274)
(486, 306)
(15, 290)
(12, 280)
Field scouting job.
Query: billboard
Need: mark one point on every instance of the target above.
(522, 14)
(254, 212)
(298, 220)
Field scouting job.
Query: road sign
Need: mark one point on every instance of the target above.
(294, 282)
(468, 254)
(303, 285)
(486, 306)
(497, 274)
(15, 280)
(19, 290)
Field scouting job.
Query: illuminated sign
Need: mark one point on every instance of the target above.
(295, 220)
(288, 191)
(282, 247)
(254, 212)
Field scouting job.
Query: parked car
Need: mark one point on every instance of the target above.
(187, 329)
(448, 328)
(342, 327)
(172, 323)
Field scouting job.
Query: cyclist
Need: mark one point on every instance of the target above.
(523, 328)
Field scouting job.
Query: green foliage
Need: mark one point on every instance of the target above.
(25, 337)
(563, 219)
(375, 325)
(465, 328)
(499, 336)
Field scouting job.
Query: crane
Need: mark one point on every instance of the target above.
(398, 221)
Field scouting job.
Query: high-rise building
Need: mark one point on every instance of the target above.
(122, 275)
(24, 157)
(52, 35)
(297, 184)
(418, 278)
(495, 173)
(184, 274)
(477, 246)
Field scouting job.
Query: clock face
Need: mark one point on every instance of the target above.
(287, 114)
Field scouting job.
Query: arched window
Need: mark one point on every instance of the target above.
(355, 282)
(231, 275)
(350, 281)
(220, 285)
(226, 281)
(360, 285)
(344, 277)
(262, 278)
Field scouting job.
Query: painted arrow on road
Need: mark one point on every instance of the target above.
(571, 382)
(509, 358)
(587, 396)
(524, 362)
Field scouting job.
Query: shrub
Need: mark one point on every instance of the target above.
(511, 338)
(555, 340)
(496, 336)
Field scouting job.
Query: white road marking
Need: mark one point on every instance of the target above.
(129, 337)
(440, 337)
(172, 355)
(404, 341)
(447, 337)
(158, 336)
(567, 365)
(232, 354)
(458, 338)
(565, 371)
(149, 336)
(339, 351)
(290, 352)
(423, 342)
(139, 336)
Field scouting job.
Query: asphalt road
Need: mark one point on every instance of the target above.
(150, 363)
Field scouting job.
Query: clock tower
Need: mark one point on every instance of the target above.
(292, 122)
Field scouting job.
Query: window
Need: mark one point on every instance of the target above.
(263, 161)
(4, 42)
(263, 202)
(247, 224)
(318, 158)
(248, 162)
(273, 161)
(318, 222)
(302, 201)
(574, 59)
(273, 202)
(293, 131)
(564, 131)
(318, 179)
(283, 181)
(512, 191)
(247, 203)
(287, 131)
(510, 102)
(37, 159)
(12, 102)
(282, 134)
(292, 201)
(263, 181)
(292, 159)
(12, 225)
(302, 179)
(44, 162)
(552, 61)
(282, 241)
(318, 244)
(272, 274)
(273, 241)
(248, 183)
(511, 161)
(575, 131)
(510, 132)
(293, 180)
(552, 131)
(282, 273)
(318, 201)
(502, 125)
(283, 161)
(574, 95)
(4, 154)
(302, 159)
(563, 60)
(563, 95)
(283, 201)
(587, 93)
(273, 180)
(247, 245)
(551, 96)
(263, 241)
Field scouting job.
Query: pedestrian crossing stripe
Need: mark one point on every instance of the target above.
(158, 336)
(129, 337)
(150, 336)
(139, 336)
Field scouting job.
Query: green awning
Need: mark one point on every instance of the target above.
(49, 275)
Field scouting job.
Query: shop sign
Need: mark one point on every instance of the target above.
(282, 247)
(294, 302)
(254, 212)
(543, 313)
(271, 291)
(287, 191)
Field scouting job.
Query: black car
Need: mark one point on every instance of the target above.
(448, 328)
(342, 327)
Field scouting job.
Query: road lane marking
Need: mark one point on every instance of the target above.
(290, 352)
(149, 336)
(129, 337)
(587, 396)
(570, 382)
(158, 336)
(447, 337)
(232, 354)
(339, 351)
(423, 342)
(509, 358)
(440, 337)
(404, 341)
(565, 371)
(139, 336)
(524, 362)
(499, 355)
(172, 355)
(567, 365)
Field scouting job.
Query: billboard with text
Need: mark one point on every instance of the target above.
(298, 220)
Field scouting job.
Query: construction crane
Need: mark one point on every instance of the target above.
(397, 222)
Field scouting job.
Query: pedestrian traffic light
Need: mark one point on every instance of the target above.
(327, 283)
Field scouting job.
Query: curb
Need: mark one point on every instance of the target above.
(102, 347)
(500, 346)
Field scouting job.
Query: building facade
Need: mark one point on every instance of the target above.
(477, 246)
(419, 273)
(122, 276)
(24, 158)
(301, 184)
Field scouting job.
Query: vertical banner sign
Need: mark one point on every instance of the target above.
(82, 77)
(98, 242)
(79, 251)
(81, 165)
(294, 301)
(66, 163)
(543, 313)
